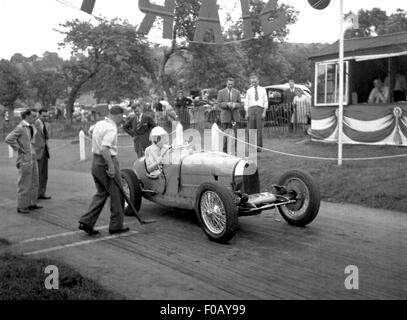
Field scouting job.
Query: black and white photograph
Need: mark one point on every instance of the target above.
(203, 155)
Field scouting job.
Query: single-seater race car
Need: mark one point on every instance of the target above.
(220, 187)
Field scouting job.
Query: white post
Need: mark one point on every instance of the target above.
(215, 137)
(82, 152)
(341, 84)
(10, 152)
(179, 135)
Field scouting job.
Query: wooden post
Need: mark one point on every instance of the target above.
(82, 152)
(391, 75)
(10, 152)
(179, 135)
(215, 138)
(341, 84)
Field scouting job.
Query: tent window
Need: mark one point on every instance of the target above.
(327, 80)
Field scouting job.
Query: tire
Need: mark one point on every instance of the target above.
(215, 197)
(131, 185)
(305, 210)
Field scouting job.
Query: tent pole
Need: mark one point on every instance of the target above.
(341, 85)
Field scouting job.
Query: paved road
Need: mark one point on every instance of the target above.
(173, 259)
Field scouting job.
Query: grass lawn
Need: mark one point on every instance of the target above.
(23, 279)
(373, 183)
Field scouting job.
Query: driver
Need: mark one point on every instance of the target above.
(154, 153)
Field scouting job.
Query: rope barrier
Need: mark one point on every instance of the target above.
(310, 157)
(289, 154)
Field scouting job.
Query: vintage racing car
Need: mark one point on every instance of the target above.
(220, 187)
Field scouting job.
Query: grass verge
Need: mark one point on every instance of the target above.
(23, 278)
(371, 183)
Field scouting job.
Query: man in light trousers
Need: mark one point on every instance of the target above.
(21, 140)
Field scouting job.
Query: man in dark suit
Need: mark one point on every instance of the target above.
(139, 127)
(42, 152)
(182, 105)
(21, 140)
(290, 94)
(230, 104)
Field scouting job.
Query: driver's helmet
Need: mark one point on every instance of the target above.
(157, 132)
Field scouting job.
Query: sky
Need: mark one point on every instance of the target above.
(28, 26)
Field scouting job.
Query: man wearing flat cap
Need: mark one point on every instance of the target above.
(105, 168)
(139, 128)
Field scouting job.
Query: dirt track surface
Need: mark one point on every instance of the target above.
(173, 259)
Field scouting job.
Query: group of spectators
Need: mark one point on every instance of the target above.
(381, 90)
(30, 140)
(227, 108)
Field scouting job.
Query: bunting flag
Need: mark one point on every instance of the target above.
(88, 5)
(380, 125)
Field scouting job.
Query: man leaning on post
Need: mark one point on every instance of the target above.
(105, 167)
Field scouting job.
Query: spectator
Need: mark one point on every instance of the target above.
(211, 110)
(42, 152)
(169, 114)
(256, 105)
(230, 104)
(21, 140)
(380, 92)
(400, 88)
(290, 94)
(181, 107)
(201, 105)
(302, 110)
(158, 112)
(139, 127)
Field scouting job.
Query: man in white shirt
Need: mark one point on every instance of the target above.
(380, 93)
(256, 105)
(105, 168)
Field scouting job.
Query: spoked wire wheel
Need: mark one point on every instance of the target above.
(213, 212)
(216, 211)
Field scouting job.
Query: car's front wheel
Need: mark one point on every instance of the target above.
(216, 212)
(301, 187)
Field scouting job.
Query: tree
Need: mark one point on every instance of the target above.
(46, 79)
(186, 15)
(376, 22)
(109, 49)
(396, 22)
(264, 57)
(208, 65)
(49, 85)
(11, 85)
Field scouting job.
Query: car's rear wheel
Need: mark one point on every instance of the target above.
(216, 212)
(300, 186)
(131, 187)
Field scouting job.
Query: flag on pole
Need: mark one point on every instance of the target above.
(88, 5)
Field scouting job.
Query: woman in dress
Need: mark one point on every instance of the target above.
(302, 110)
